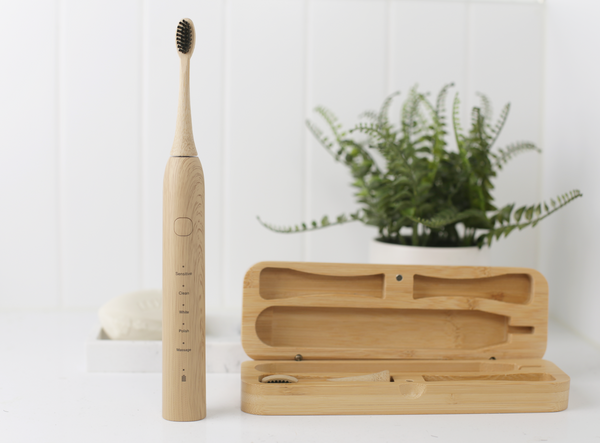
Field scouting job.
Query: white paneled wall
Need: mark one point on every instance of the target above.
(100, 149)
(29, 169)
(506, 62)
(346, 73)
(429, 46)
(264, 102)
(570, 243)
(87, 122)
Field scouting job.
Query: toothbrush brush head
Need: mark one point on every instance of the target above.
(185, 37)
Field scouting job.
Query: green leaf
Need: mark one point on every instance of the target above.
(529, 213)
(499, 124)
(314, 225)
(511, 151)
(415, 189)
(519, 213)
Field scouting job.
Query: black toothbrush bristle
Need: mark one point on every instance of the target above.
(184, 37)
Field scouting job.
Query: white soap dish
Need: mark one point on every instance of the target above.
(224, 352)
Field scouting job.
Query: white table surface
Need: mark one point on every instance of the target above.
(46, 396)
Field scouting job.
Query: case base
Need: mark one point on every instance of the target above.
(416, 387)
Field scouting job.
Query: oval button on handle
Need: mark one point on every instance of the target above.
(183, 226)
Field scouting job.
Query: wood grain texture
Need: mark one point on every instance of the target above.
(286, 283)
(417, 387)
(454, 340)
(383, 376)
(184, 367)
(380, 330)
(183, 145)
(396, 325)
(509, 288)
(161, 71)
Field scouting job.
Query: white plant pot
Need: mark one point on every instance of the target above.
(390, 254)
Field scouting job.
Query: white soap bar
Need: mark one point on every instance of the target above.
(133, 316)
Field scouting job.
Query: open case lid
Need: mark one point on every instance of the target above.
(344, 311)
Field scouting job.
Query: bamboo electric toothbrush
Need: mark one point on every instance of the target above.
(184, 369)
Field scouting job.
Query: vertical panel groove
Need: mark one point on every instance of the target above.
(388, 50)
(225, 296)
(306, 145)
(542, 138)
(265, 157)
(507, 67)
(467, 85)
(60, 146)
(348, 64)
(142, 167)
(101, 206)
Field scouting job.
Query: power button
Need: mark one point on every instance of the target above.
(183, 226)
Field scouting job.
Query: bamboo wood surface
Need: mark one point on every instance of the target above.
(184, 360)
(383, 376)
(183, 144)
(184, 368)
(533, 385)
(454, 339)
(335, 318)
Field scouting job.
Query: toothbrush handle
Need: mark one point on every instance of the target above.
(183, 336)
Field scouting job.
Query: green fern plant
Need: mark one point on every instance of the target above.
(442, 195)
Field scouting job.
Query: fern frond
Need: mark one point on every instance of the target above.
(382, 117)
(477, 123)
(369, 115)
(436, 139)
(533, 215)
(349, 152)
(331, 120)
(456, 121)
(432, 111)
(504, 155)
(499, 124)
(321, 138)
(448, 217)
(441, 100)
(486, 106)
(410, 110)
(421, 177)
(459, 135)
(371, 129)
(314, 225)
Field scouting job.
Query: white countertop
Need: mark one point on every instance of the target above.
(46, 396)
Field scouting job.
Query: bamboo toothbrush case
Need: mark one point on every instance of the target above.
(454, 339)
